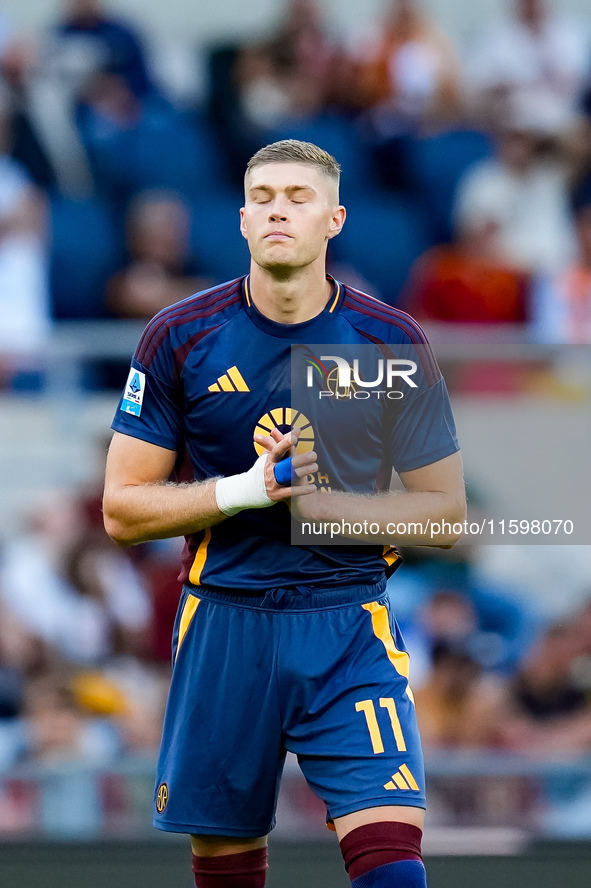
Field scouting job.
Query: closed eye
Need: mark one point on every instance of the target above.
(300, 194)
(260, 195)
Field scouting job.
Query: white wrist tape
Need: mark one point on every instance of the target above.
(244, 491)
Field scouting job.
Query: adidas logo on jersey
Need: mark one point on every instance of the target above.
(402, 779)
(231, 381)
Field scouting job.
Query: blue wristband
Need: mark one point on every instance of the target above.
(283, 472)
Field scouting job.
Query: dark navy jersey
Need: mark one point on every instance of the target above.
(211, 371)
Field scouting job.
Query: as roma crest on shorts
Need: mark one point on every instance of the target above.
(161, 797)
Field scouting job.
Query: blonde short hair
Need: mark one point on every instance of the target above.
(294, 151)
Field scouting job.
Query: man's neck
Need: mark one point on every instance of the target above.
(291, 299)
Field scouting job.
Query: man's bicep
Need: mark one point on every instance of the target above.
(132, 461)
(444, 476)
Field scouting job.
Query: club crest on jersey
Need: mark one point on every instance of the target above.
(285, 419)
(133, 395)
(161, 797)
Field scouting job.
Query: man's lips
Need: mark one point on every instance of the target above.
(277, 235)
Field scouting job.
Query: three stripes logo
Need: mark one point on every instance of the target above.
(231, 381)
(402, 779)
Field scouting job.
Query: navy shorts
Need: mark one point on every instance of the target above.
(323, 675)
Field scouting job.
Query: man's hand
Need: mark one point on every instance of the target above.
(278, 447)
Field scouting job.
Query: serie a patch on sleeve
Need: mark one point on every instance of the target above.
(133, 394)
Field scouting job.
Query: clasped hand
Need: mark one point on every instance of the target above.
(279, 446)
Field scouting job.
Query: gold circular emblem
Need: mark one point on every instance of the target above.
(285, 419)
(161, 797)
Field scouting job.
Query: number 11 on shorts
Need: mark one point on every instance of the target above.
(368, 708)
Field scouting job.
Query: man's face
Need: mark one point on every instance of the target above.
(291, 211)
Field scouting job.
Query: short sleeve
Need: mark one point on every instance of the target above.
(151, 405)
(423, 431)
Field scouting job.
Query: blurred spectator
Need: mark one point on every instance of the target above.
(539, 57)
(289, 74)
(11, 676)
(445, 597)
(145, 689)
(239, 138)
(546, 709)
(524, 190)
(408, 71)
(562, 301)
(103, 575)
(92, 38)
(405, 79)
(161, 269)
(44, 98)
(491, 627)
(467, 281)
(110, 118)
(86, 41)
(543, 708)
(24, 300)
(448, 616)
(294, 74)
(68, 586)
(57, 728)
(135, 142)
(544, 686)
(132, 695)
(18, 62)
(22, 656)
(456, 707)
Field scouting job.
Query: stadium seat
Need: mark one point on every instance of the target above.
(178, 152)
(381, 239)
(436, 165)
(84, 253)
(165, 148)
(219, 248)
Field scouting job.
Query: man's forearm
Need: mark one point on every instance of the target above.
(405, 518)
(140, 505)
(142, 512)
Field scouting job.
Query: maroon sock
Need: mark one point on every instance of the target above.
(376, 844)
(245, 870)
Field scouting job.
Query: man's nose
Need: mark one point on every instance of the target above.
(278, 212)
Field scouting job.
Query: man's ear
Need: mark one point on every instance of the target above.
(243, 223)
(337, 221)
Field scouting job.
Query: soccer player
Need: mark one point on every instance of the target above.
(279, 647)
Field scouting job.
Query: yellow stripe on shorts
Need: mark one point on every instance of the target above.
(400, 660)
(189, 610)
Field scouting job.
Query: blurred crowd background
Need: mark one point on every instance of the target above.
(466, 169)
(467, 179)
